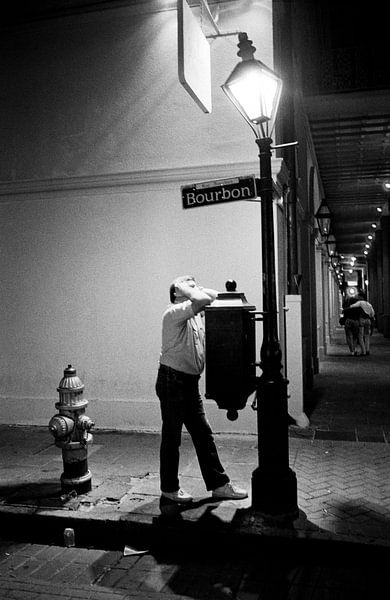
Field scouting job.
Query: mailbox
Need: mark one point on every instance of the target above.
(230, 375)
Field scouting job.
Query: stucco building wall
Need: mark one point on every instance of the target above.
(98, 136)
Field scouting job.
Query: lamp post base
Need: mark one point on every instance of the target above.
(274, 495)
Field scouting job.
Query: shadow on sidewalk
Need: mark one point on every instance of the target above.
(209, 562)
(356, 524)
(45, 493)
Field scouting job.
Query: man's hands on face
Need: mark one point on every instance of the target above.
(199, 296)
(185, 288)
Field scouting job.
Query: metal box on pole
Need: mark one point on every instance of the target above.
(230, 350)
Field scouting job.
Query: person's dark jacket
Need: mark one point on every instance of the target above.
(354, 313)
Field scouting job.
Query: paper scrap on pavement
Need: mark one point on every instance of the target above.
(128, 551)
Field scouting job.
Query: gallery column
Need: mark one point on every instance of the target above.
(385, 227)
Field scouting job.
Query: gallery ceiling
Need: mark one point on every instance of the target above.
(348, 105)
(351, 135)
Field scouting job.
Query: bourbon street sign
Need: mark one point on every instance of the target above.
(220, 190)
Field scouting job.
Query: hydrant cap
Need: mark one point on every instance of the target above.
(69, 371)
(70, 381)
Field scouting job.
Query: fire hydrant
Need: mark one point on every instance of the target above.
(71, 430)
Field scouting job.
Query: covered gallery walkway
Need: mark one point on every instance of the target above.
(351, 395)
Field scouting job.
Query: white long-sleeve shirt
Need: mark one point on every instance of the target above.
(183, 339)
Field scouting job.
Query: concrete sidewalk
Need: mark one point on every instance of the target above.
(343, 482)
(343, 492)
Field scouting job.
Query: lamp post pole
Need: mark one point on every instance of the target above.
(274, 484)
(255, 91)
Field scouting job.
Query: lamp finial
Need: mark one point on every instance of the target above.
(246, 49)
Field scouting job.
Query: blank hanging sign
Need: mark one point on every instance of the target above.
(194, 57)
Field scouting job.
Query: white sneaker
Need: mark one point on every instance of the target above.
(178, 496)
(229, 492)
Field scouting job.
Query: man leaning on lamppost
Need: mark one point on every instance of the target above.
(255, 91)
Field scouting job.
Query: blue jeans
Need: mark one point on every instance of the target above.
(181, 404)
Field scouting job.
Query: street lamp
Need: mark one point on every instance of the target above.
(324, 218)
(331, 244)
(335, 261)
(255, 91)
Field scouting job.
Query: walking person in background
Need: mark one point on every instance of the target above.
(354, 331)
(181, 364)
(366, 320)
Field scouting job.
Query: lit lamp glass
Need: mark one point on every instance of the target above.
(246, 90)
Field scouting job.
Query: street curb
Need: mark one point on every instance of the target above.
(160, 532)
